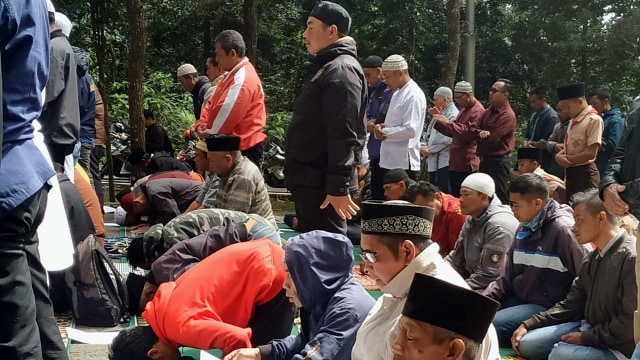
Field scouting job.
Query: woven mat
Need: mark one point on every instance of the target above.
(367, 282)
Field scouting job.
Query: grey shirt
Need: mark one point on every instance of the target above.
(207, 195)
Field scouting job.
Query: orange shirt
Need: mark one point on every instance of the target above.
(447, 229)
(91, 201)
(210, 305)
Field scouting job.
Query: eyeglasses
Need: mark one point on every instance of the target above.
(369, 256)
(495, 90)
(458, 96)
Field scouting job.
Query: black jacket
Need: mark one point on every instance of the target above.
(198, 93)
(156, 139)
(326, 134)
(623, 169)
(60, 116)
(80, 223)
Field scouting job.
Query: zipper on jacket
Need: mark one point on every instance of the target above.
(311, 352)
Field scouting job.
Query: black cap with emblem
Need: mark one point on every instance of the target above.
(396, 218)
(460, 310)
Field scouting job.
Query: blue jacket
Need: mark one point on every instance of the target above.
(613, 129)
(24, 48)
(86, 96)
(377, 110)
(334, 304)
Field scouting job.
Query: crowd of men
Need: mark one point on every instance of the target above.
(473, 257)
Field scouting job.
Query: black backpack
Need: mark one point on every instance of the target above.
(98, 295)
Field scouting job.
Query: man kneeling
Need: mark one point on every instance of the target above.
(454, 332)
(232, 299)
(332, 303)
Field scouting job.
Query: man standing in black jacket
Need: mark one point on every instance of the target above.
(326, 134)
(620, 184)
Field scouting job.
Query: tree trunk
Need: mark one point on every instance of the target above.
(98, 21)
(208, 47)
(137, 50)
(251, 29)
(450, 66)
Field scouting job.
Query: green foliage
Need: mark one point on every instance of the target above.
(276, 128)
(170, 104)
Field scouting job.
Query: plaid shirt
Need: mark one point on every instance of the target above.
(244, 190)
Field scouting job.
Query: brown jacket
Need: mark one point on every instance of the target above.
(100, 136)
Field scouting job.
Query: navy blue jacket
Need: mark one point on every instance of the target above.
(86, 96)
(334, 304)
(613, 129)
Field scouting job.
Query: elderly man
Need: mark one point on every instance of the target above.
(207, 195)
(529, 161)
(613, 126)
(376, 114)
(195, 84)
(437, 147)
(237, 106)
(463, 159)
(496, 137)
(326, 133)
(454, 332)
(27, 326)
(542, 261)
(485, 236)
(541, 124)
(241, 186)
(595, 320)
(582, 142)
(400, 134)
(396, 244)
(448, 218)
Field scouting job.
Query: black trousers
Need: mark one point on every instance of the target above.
(581, 178)
(272, 320)
(498, 168)
(254, 153)
(94, 168)
(377, 173)
(455, 180)
(311, 217)
(28, 329)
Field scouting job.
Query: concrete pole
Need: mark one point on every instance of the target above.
(470, 45)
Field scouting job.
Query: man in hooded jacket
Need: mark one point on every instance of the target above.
(332, 303)
(326, 134)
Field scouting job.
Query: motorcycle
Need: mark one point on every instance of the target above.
(119, 152)
(273, 167)
(187, 154)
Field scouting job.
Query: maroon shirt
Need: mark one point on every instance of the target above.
(501, 123)
(464, 133)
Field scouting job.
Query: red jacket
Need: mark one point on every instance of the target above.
(210, 305)
(237, 107)
(447, 229)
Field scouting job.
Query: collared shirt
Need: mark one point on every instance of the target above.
(208, 193)
(615, 239)
(24, 46)
(501, 123)
(463, 157)
(583, 131)
(404, 123)
(439, 143)
(244, 190)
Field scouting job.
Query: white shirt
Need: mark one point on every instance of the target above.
(440, 144)
(374, 338)
(404, 122)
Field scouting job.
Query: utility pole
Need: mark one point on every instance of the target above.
(470, 44)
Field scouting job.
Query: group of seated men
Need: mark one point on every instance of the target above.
(531, 264)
